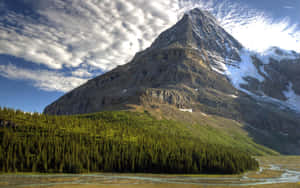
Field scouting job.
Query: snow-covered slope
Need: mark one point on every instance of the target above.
(277, 54)
(293, 100)
(240, 72)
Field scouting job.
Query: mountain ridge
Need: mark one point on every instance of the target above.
(197, 65)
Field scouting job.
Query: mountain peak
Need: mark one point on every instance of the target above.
(200, 30)
(198, 15)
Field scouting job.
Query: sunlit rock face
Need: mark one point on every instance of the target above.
(197, 65)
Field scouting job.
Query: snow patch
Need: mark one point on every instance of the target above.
(204, 114)
(217, 63)
(228, 49)
(293, 100)
(284, 134)
(186, 110)
(217, 70)
(238, 71)
(233, 96)
(245, 69)
(262, 70)
(277, 54)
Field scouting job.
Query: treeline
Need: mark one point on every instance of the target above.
(109, 142)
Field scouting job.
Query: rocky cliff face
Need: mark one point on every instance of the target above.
(197, 65)
(176, 76)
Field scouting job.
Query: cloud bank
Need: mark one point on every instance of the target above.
(82, 36)
(45, 80)
(100, 33)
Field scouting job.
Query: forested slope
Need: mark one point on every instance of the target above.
(112, 142)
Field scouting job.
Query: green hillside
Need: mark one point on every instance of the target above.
(119, 141)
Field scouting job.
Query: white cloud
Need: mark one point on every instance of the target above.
(83, 73)
(45, 80)
(92, 31)
(288, 7)
(99, 34)
(102, 34)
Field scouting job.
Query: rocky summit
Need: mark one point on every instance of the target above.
(196, 66)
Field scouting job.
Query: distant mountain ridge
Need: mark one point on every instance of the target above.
(197, 65)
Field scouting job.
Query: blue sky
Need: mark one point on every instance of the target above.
(49, 47)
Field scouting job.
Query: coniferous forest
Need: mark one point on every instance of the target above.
(109, 142)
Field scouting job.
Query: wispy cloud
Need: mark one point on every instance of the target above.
(81, 36)
(45, 80)
(83, 73)
(253, 28)
(288, 7)
(102, 34)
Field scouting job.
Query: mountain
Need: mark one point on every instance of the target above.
(196, 66)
